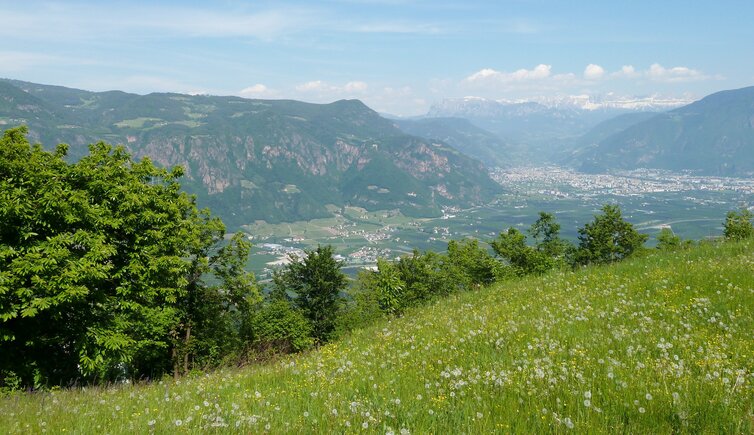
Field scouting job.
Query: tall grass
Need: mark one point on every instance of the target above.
(658, 344)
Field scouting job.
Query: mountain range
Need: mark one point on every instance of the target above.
(713, 136)
(272, 160)
(466, 137)
(540, 122)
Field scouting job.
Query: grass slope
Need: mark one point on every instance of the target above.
(654, 345)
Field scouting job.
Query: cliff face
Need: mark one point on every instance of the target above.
(259, 160)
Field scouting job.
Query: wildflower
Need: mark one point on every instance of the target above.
(179, 422)
(334, 411)
(479, 415)
(587, 403)
(642, 410)
(587, 394)
(365, 425)
(151, 422)
(648, 396)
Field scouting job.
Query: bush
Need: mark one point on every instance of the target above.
(278, 327)
(738, 226)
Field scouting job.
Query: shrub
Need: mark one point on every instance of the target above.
(738, 225)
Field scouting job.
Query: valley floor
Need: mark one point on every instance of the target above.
(660, 344)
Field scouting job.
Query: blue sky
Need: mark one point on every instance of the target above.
(397, 56)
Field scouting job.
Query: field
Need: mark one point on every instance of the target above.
(660, 344)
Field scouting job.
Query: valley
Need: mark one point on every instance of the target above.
(694, 207)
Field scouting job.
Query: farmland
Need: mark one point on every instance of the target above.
(694, 207)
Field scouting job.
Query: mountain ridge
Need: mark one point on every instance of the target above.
(713, 136)
(273, 160)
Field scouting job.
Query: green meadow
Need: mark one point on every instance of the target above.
(658, 344)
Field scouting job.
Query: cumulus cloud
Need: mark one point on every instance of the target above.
(659, 73)
(676, 74)
(593, 72)
(355, 86)
(312, 86)
(255, 91)
(321, 87)
(539, 72)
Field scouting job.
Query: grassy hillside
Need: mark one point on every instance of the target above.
(654, 345)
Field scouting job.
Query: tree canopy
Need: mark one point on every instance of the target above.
(103, 265)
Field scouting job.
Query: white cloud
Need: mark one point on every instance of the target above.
(313, 86)
(324, 88)
(593, 72)
(539, 72)
(659, 73)
(355, 86)
(676, 74)
(628, 71)
(256, 91)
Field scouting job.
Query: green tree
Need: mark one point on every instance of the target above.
(546, 234)
(608, 238)
(521, 258)
(278, 327)
(668, 241)
(426, 277)
(471, 264)
(738, 225)
(316, 281)
(100, 264)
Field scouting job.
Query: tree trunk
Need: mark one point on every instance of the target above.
(186, 355)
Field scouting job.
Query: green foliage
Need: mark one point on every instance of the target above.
(546, 234)
(471, 264)
(316, 281)
(389, 286)
(522, 259)
(596, 347)
(608, 238)
(425, 276)
(738, 225)
(101, 267)
(668, 241)
(279, 327)
(549, 251)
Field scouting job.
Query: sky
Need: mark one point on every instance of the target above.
(399, 57)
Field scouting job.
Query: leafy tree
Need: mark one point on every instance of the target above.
(523, 259)
(389, 287)
(668, 241)
(101, 265)
(280, 327)
(608, 238)
(426, 277)
(472, 265)
(738, 225)
(316, 281)
(546, 234)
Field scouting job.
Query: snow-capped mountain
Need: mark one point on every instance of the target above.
(477, 107)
